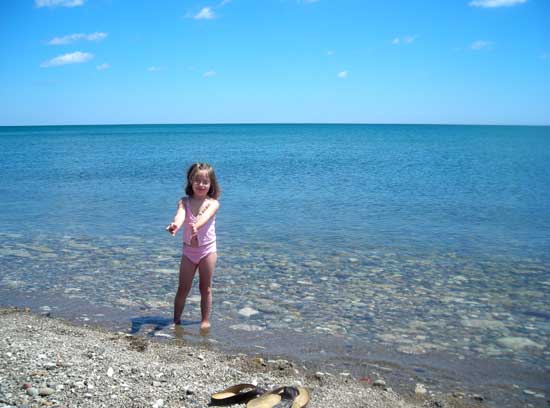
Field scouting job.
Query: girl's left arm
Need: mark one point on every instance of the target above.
(209, 213)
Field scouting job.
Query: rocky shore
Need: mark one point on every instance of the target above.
(49, 362)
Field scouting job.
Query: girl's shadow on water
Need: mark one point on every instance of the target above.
(158, 326)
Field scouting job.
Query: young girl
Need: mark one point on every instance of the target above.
(197, 214)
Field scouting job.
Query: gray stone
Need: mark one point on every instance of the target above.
(518, 343)
(44, 392)
(248, 311)
(420, 389)
(246, 327)
(482, 323)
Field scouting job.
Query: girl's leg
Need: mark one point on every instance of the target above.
(187, 272)
(206, 270)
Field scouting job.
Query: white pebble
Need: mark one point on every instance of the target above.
(248, 311)
(420, 389)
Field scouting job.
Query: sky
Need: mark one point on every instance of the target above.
(70, 62)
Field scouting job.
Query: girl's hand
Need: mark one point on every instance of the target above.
(172, 229)
(194, 230)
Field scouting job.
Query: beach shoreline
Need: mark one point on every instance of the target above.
(83, 366)
(457, 382)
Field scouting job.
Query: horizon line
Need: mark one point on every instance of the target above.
(279, 123)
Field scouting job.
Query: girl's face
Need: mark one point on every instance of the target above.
(201, 184)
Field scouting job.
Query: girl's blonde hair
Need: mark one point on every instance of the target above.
(214, 190)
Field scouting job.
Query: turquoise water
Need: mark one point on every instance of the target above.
(424, 240)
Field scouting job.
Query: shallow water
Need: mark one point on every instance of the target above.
(423, 248)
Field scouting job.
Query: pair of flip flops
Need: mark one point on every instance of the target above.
(255, 397)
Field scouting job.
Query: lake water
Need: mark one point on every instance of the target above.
(417, 253)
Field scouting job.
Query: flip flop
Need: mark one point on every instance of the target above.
(267, 400)
(236, 394)
(283, 397)
(302, 399)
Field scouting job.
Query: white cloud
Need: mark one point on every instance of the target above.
(343, 74)
(480, 45)
(103, 67)
(408, 39)
(495, 3)
(73, 58)
(153, 69)
(205, 14)
(330, 53)
(209, 74)
(68, 39)
(58, 3)
(97, 36)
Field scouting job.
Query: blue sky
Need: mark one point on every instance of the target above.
(274, 61)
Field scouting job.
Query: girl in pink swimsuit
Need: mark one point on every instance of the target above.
(197, 214)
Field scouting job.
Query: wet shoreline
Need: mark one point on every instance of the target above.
(463, 383)
(455, 324)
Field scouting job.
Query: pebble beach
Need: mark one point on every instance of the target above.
(46, 361)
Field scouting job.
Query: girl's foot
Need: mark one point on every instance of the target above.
(179, 332)
(205, 325)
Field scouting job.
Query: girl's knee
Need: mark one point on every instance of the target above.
(183, 289)
(205, 290)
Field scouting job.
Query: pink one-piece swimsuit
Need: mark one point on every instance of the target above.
(206, 237)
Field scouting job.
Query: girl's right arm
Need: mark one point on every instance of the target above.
(175, 225)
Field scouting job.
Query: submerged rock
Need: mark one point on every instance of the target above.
(246, 327)
(248, 311)
(483, 323)
(518, 343)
